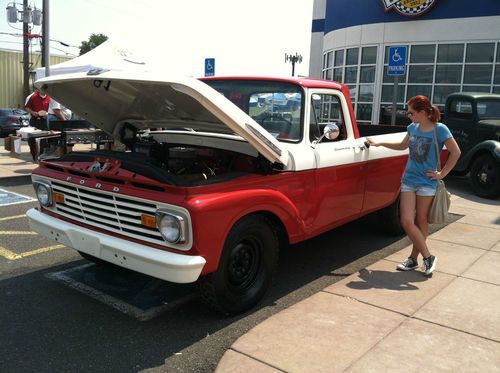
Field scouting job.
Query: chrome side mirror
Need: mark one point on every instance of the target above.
(331, 132)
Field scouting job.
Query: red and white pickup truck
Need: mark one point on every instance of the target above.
(217, 174)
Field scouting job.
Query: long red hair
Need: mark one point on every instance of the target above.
(422, 103)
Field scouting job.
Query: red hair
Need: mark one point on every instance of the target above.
(422, 103)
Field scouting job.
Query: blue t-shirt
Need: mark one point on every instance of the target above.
(422, 156)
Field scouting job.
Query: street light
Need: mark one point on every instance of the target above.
(293, 59)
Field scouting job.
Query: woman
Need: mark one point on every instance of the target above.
(420, 177)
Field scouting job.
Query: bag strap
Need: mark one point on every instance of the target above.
(437, 149)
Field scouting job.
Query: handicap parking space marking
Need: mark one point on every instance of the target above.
(8, 198)
(9, 255)
(118, 289)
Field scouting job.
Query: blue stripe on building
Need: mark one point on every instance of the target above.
(318, 25)
(346, 13)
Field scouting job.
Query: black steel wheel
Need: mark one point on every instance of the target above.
(247, 264)
(389, 218)
(485, 177)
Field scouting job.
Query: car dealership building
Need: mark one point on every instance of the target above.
(451, 45)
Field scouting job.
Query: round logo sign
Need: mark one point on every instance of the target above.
(409, 7)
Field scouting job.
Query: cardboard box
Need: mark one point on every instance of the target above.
(7, 143)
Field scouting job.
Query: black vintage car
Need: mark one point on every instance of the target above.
(474, 120)
(11, 120)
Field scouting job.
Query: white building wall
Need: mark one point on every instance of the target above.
(316, 64)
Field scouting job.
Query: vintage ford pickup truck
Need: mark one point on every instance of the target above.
(474, 120)
(217, 174)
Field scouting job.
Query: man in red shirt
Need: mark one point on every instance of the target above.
(37, 106)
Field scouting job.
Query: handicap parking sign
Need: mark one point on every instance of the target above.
(209, 66)
(397, 61)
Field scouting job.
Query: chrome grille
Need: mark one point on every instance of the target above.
(108, 211)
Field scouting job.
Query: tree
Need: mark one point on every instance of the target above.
(94, 41)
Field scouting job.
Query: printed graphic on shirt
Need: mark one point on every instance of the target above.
(419, 148)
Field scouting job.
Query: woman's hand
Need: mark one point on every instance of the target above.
(434, 175)
(371, 142)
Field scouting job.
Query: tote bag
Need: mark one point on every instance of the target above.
(438, 213)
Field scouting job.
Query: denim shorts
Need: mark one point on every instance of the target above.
(423, 191)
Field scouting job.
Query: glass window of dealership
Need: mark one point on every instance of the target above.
(432, 69)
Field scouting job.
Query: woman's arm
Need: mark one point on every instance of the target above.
(452, 160)
(391, 145)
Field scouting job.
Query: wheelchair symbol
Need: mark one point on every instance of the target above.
(396, 57)
(209, 66)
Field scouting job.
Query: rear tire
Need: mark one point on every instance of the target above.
(485, 177)
(247, 265)
(390, 219)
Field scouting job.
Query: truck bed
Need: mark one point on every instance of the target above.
(366, 130)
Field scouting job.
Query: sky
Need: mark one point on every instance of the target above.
(244, 37)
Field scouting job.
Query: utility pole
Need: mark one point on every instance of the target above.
(297, 58)
(26, 55)
(45, 38)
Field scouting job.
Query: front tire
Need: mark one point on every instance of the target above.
(247, 264)
(485, 177)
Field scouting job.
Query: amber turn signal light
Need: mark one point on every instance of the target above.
(148, 221)
(58, 197)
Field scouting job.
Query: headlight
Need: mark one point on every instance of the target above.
(43, 193)
(171, 227)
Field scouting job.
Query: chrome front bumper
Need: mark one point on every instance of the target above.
(141, 258)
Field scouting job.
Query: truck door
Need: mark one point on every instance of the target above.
(340, 177)
(460, 119)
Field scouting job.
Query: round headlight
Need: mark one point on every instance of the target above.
(43, 194)
(170, 228)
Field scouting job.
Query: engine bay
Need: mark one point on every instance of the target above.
(176, 163)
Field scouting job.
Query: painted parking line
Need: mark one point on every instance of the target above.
(9, 255)
(13, 217)
(19, 233)
(133, 294)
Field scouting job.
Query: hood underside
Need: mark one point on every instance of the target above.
(115, 100)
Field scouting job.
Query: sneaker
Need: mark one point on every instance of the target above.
(430, 264)
(408, 265)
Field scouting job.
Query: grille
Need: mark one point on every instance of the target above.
(108, 211)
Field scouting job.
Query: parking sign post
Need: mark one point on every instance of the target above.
(396, 67)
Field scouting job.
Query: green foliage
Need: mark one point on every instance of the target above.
(94, 41)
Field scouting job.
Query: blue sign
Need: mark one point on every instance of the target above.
(397, 61)
(209, 66)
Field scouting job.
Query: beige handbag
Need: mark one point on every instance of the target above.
(438, 213)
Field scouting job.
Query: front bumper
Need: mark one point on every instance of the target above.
(141, 258)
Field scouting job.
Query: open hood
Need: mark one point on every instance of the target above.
(114, 100)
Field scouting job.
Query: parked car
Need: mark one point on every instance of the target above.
(474, 120)
(11, 120)
(211, 186)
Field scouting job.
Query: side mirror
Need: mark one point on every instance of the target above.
(331, 132)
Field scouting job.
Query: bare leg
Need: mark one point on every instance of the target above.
(423, 206)
(408, 206)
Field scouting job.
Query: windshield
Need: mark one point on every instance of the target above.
(488, 109)
(276, 106)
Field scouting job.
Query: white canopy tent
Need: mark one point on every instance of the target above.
(107, 56)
